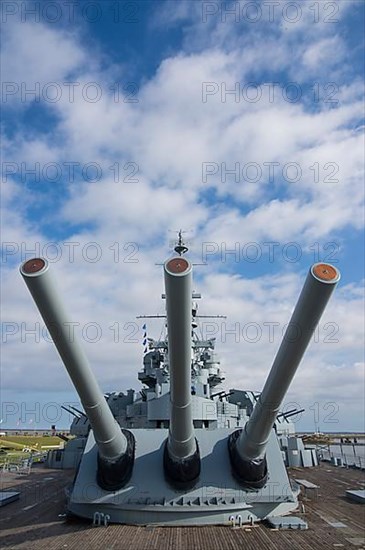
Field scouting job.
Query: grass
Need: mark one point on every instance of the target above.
(36, 441)
(12, 446)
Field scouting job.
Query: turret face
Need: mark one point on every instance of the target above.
(249, 446)
(182, 463)
(115, 447)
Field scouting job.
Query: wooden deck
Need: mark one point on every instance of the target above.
(37, 520)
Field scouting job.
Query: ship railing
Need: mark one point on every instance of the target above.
(21, 466)
(341, 459)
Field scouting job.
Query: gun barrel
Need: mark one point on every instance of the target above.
(70, 412)
(292, 413)
(112, 443)
(178, 283)
(319, 285)
(181, 459)
(78, 411)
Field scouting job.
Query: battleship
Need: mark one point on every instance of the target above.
(180, 453)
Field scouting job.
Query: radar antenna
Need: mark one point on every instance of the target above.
(180, 248)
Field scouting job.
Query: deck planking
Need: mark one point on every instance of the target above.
(37, 520)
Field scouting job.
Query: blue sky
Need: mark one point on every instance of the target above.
(239, 122)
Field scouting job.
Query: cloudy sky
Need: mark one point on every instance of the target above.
(241, 123)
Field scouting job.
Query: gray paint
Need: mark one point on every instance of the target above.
(147, 498)
(111, 442)
(306, 457)
(313, 299)
(181, 441)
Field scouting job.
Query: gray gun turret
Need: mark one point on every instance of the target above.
(181, 457)
(180, 452)
(247, 447)
(116, 446)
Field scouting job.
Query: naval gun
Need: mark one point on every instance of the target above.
(181, 457)
(247, 447)
(181, 454)
(115, 446)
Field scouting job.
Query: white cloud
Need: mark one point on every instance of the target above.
(326, 51)
(34, 55)
(169, 134)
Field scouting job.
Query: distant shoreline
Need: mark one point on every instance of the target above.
(43, 431)
(336, 434)
(17, 431)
